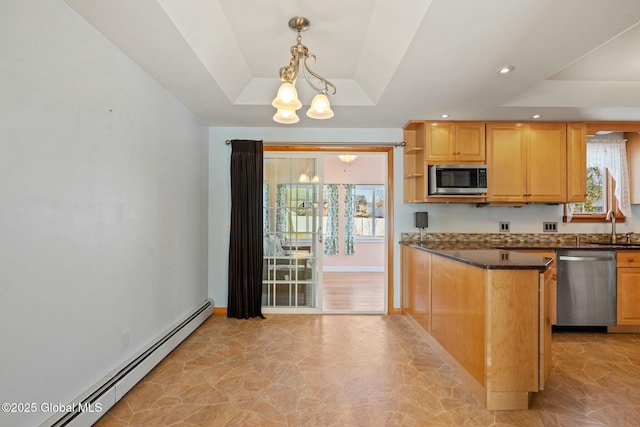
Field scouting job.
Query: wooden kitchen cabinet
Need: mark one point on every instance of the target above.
(551, 275)
(489, 322)
(633, 157)
(628, 293)
(492, 323)
(526, 162)
(547, 309)
(448, 142)
(416, 283)
(576, 162)
(414, 176)
(547, 166)
(506, 162)
(405, 277)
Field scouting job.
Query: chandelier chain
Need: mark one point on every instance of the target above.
(300, 52)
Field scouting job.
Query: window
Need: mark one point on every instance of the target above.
(607, 181)
(369, 211)
(596, 192)
(368, 215)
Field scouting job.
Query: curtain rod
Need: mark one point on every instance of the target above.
(341, 144)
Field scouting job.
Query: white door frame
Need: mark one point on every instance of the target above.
(389, 214)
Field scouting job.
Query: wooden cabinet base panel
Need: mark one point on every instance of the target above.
(461, 373)
(508, 400)
(624, 329)
(492, 400)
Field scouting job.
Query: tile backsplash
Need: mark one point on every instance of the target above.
(552, 238)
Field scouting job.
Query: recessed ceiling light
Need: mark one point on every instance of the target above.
(444, 116)
(536, 116)
(505, 70)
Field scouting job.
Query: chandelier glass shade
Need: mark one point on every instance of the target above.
(320, 107)
(287, 98)
(287, 117)
(286, 101)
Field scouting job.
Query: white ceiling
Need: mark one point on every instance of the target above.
(391, 61)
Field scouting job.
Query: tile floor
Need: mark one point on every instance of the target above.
(365, 370)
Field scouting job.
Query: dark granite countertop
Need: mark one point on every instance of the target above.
(487, 258)
(534, 246)
(504, 255)
(496, 259)
(558, 246)
(497, 252)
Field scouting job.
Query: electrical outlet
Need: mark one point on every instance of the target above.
(504, 227)
(549, 227)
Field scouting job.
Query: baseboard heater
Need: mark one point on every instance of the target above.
(108, 392)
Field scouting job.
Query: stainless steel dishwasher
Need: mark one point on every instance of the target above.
(586, 293)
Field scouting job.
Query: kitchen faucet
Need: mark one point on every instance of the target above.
(612, 216)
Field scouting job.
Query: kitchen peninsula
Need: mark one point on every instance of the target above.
(488, 310)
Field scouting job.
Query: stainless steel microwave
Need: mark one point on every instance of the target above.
(457, 179)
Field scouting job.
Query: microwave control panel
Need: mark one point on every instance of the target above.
(482, 178)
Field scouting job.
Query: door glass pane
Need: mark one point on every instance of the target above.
(290, 199)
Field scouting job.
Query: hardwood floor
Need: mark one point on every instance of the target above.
(353, 291)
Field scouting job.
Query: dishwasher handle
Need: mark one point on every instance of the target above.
(585, 258)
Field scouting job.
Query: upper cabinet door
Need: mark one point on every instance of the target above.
(506, 162)
(441, 141)
(633, 157)
(547, 163)
(470, 142)
(455, 142)
(576, 162)
(527, 162)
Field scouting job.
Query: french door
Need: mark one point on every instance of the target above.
(292, 233)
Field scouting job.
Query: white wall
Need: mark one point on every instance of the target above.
(103, 213)
(464, 218)
(453, 218)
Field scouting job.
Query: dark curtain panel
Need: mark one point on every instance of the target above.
(245, 245)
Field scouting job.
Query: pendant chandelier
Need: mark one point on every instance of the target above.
(286, 101)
